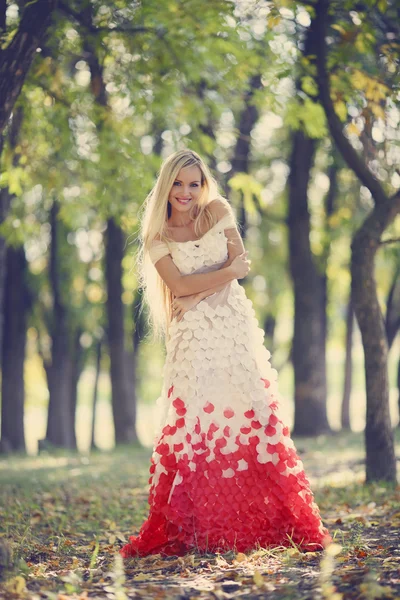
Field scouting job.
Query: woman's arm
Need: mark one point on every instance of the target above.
(187, 285)
(211, 290)
(235, 247)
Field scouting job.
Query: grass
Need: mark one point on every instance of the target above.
(64, 516)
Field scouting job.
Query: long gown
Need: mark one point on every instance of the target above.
(224, 471)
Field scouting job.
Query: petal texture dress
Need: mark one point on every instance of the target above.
(224, 471)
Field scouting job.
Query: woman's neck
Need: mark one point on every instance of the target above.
(178, 221)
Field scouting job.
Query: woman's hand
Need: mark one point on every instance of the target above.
(241, 265)
(183, 304)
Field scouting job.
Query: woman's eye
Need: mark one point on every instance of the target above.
(176, 183)
(195, 184)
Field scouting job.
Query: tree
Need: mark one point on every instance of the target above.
(247, 120)
(62, 380)
(17, 56)
(392, 318)
(16, 302)
(380, 456)
(16, 305)
(309, 282)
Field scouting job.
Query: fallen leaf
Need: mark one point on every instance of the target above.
(140, 577)
(258, 578)
(16, 585)
(240, 557)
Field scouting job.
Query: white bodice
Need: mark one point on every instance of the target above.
(207, 253)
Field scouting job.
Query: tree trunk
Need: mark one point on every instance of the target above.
(208, 128)
(17, 57)
(348, 368)
(60, 426)
(398, 388)
(6, 198)
(76, 371)
(380, 455)
(269, 329)
(4, 205)
(381, 460)
(122, 395)
(96, 392)
(308, 351)
(241, 157)
(60, 372)
(309, 285)
(392, 320)
(13, 356)
(139, 329)
(329, 210)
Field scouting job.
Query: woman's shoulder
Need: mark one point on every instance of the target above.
(222, 212)
(220, 207)
(158, 249)
(157, 241)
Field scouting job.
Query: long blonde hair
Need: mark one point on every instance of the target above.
(153, 224)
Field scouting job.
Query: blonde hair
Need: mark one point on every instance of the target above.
(153, 225)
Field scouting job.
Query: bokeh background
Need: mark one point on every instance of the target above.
(115, 87)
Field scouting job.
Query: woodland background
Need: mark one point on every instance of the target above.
(295, 105)
(97, 94)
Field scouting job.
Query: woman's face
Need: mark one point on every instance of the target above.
(186, 189)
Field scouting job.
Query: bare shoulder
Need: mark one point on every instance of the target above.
(220, 207)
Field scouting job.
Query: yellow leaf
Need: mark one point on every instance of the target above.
(140, 577)
(341, 109)
(342, 559)
(353, 129)
(258, 578)
(273, 20)
(339, 28)
(382, 5)
(35, 518)
(240, 557)
(189, 560)
(359, 80)
(333, 549)
(360, 44)
(378, 111)
(16, 585)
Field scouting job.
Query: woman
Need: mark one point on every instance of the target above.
(225, 473)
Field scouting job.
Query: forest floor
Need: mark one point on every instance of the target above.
(63, 518)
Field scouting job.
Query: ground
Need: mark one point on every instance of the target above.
(63, 518)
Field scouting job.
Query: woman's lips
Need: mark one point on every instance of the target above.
(184, 201)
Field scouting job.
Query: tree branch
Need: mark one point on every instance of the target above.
(80, 18)
(390, 241)
(349, 153)
(17, 57)
(57, 98)
(308, 2)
